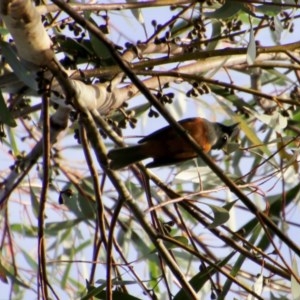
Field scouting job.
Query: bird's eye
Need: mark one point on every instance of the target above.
(225, 138)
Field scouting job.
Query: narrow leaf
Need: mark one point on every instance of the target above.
(216, 32)
(278, 30)
(221, 215)
(270, 10)
(52, 228)
(229, 205)
(25, 75)
(198, 281)
(25, 230)
(180, 239)
(294, 283)
(3, 272)
(225, 11)
(5, 114)
(137, 12)
(257, 287)
(34, 202)
(251, 51)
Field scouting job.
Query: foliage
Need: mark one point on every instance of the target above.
(217, 229)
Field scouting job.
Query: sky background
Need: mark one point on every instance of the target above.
(126, 27)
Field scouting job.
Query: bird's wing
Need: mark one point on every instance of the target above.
(168, 131)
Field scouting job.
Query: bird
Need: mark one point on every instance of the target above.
(167, 147)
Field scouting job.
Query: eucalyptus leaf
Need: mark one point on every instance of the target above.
(278, 30)
(257, 287)
(138, 14)
(216, 32)
(35, 205)
(270, 10)
(52, 228)
(221, 215)
(227, 10)
(27, 76)
(294, 283)
(180, 239)
(5, 114)
(100, 48)
(200, 278)
(251, 50)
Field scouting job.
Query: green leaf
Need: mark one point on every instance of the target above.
(52, 228)
(93, 291)
(100, 48)
(251, 50)
(154, 272)
(180, 26)
(82, 50)
(180, 239)
(221, 215)
(256, 230)
(226, 11)
(135, 190)
(274, 76)
(31, 260)
(275, 211)
(273, 297)
(3, 271)
(72, 45)
(35, 205)
(276, 121)
(276, 34)
(83, 207)
(216, 32)
(231, 97)
(295, 286)
(270, 10)
(66, 274)
(25, 230)
(5, 114)
(100, 293)
(198, 281)
(137, 12)
(231, 147)
(116, 296)
(87, 207)
(229, 205)
(141, 246)
(257, 287)
(26, 76)
(70, 201)
(192, 175)
(116, 115)
(12, 141)
(15, 278)
(116, 281)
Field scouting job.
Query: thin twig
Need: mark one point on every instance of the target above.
(42, 271)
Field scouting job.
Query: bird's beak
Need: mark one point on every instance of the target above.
(234, 130)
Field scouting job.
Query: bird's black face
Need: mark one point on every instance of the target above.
(224, 134)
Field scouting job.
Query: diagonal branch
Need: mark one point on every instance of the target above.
(181, 132)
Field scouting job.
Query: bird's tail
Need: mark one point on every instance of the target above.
(123, 157)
